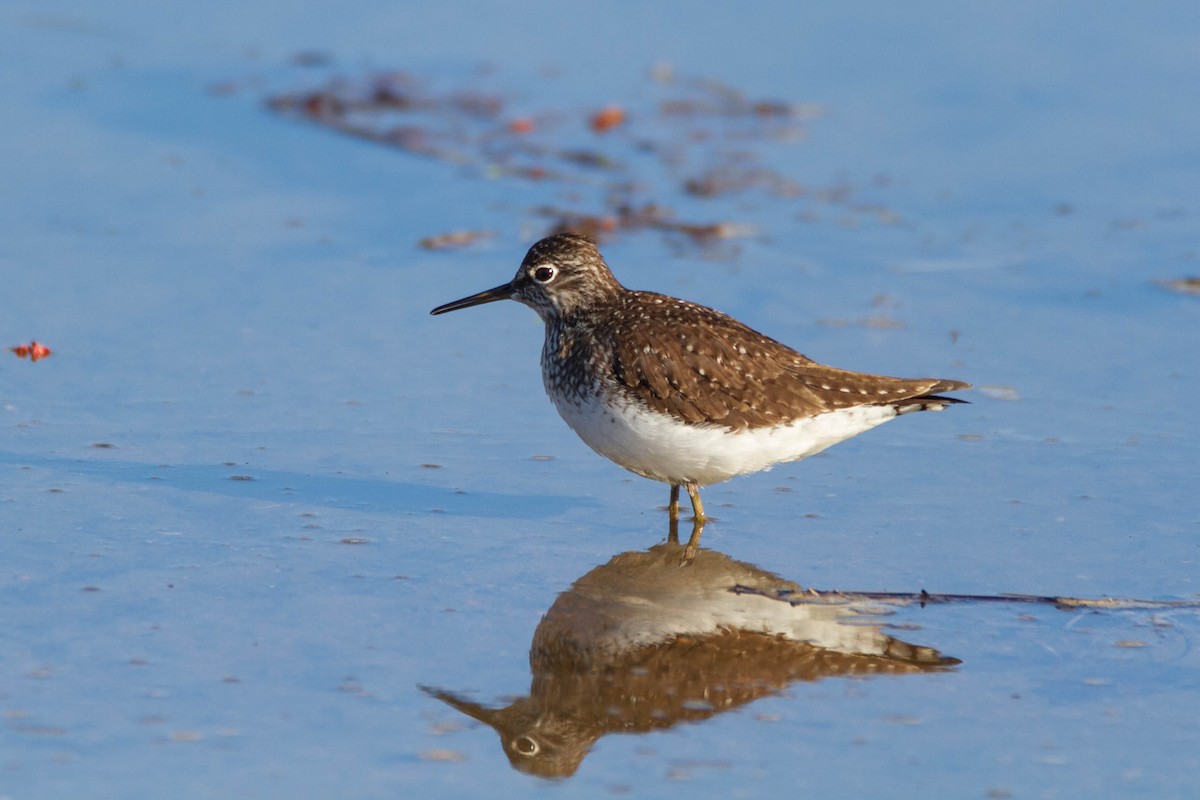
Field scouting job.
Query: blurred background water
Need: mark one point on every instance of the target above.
(257, 497)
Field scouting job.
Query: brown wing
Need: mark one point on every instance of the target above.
(711, 368)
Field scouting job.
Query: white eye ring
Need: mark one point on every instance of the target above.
(526, 746)
(544, 274)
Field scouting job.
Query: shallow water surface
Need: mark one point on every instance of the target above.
(269, 529)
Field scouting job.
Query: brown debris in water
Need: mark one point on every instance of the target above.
(607, 118)
(34, 351)
(454, 240)
(699, 139)
(1183, 285)
(600, 227)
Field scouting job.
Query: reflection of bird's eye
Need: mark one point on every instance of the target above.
(543, 274)
(526, 746)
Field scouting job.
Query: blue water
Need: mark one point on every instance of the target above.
(257, 497)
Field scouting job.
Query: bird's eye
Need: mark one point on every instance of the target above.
(526, 746)
(544, 274)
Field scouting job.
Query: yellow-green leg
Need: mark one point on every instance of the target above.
(673, 506)
(693, 545)
(697, 506)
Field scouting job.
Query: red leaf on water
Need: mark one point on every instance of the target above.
(33, 351)
(521, 125)
(607, 118)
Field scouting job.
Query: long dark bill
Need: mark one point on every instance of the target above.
(472, 710)
(490, 296)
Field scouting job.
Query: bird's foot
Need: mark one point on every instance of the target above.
(692, 549)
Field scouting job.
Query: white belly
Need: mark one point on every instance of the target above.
(660, 447)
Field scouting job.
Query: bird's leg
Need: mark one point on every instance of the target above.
(697, 506)
(673, 506)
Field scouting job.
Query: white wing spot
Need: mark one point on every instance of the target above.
(843, 389)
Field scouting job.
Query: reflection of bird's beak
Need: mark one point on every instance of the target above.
(490, 296)
(472, 710)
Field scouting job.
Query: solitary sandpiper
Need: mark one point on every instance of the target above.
(678, 392)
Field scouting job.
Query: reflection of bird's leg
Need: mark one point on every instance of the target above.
(693, 545)
(673, 515)
(698, 520)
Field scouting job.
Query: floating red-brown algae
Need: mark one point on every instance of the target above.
(34, 351)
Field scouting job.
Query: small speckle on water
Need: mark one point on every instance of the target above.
(1184, 285)
(901, 719)
(42, 730)
(998, 392)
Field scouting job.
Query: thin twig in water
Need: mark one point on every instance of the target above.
(815, 596)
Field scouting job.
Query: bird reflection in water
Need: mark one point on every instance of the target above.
(657, 638)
